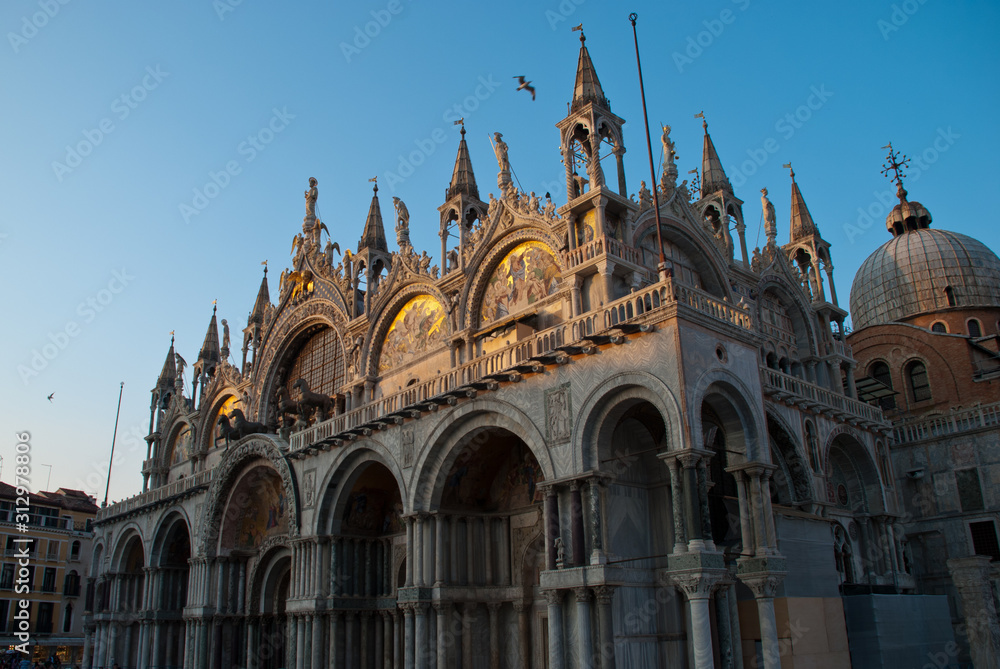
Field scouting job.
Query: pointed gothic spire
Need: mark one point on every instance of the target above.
(802, 224)
(463, 180)
(374, 235)
(263, 299)
(713, 177)
(588, 86)
(169, 372)
(210, 353)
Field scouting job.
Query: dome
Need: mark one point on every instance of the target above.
(909, 274)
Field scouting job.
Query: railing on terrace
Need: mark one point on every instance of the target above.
(987, 415)
(594, 248)
(619, 312)
(785, 385)
(157, 494)
(632, 307)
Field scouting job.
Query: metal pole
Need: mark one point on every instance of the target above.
(113, 438)
(662, 266)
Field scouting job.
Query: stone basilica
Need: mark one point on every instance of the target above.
(604, 435)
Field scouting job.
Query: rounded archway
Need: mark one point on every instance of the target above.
(169, 555)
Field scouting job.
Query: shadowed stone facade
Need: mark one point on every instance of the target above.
(544, 451)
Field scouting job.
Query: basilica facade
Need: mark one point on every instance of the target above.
(594, 436)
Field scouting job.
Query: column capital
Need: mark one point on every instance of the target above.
(698, 584)
(553, 597)
(604, 594)
(493, 607)
(763, 584)
(441, 607)
(687, 458)
(521, 606)
(582, 594)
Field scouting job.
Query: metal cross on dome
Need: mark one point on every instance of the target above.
(895, 162)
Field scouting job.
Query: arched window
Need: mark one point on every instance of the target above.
(975, 328)
(920, 386)
(939, 326)
(879, 371)
(949, 293)
(74, 551)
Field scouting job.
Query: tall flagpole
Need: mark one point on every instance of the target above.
(661, 268)
(113, 438)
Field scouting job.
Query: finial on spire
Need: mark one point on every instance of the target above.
(374, 180)
(895, 162)
(171, 337)
(704, 123)
(788, 166)
(583, 38)
(461, 122)
(265, 267)
(215, 306)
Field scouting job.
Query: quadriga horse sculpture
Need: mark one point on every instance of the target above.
(310, 401)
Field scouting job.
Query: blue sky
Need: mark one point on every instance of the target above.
(116, 115)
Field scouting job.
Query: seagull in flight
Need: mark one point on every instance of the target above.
(51, 396)
(525, 86)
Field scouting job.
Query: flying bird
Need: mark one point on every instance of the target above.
(525, 85)
(51, 396)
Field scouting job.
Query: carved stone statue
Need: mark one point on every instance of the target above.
(331, 246)
(402, 223)
(534, 204)
(770, 227)
(311, 196)
(435, 272)
(452, 309)
(560, 553)
(550, 207)
(424, 263)
(225, 335)
(645, 197)
(669, 154)
(452, 260)
(500, 148)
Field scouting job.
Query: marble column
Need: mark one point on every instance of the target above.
(505, 559)
(408, 649)
(698, 587)
(597, 555)
(440, 528)
(317, 641)
(379, 622)
(677, 502)
(764, 585)
(488, 548)
(470, 552)
(494, 614)
(365, 623)
(551, 505)
(409, 551)
(468, 619)
(523, 609)
(605, 596)
(422, 648)
(576, 523)
(442, 609)
(336, 649)
(584, 639)
(418, 551)
(556, 657)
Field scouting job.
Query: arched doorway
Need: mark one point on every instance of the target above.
(169, 556)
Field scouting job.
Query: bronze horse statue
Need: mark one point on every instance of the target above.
(240, 427)
(310, 401)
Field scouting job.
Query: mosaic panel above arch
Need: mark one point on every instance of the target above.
(181, 445)
(419, 327)
(259, 510)
(526, 275)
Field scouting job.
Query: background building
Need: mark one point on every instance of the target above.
(603, 435)
(926, 311)
(60, 554)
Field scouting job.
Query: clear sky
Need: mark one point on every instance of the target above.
(116, 115)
